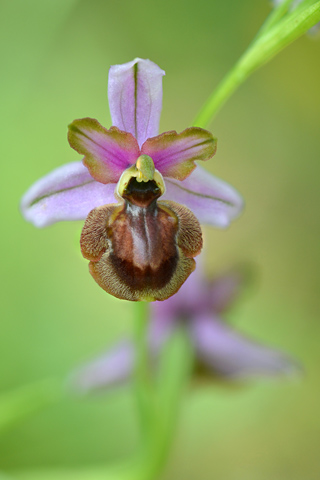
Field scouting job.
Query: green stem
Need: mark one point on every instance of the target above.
(265, 46)
(174, 372)
(158, 396)
(143, 378)
(276, 14)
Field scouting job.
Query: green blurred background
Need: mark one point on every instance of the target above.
(55, 60)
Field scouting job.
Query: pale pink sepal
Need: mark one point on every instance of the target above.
(213, 201)
(112, 368)
(234, 355)
(67, 193)
(135, 97)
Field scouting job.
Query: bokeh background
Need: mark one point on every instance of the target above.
(55, 60)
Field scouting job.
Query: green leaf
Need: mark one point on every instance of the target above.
(125, 471)
(67, 474)
(23, 402)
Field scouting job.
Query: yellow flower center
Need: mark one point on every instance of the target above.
(143, 171)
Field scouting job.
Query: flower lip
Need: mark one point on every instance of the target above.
(141, 252)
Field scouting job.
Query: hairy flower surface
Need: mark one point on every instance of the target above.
(139, 247)
(220, 350)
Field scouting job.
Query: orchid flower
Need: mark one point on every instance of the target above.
(220, 350)
(139, 247)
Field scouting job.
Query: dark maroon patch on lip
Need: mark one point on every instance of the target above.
(143, 238)
(144, 250)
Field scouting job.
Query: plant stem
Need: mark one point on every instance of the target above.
(276, 14)
(143, 379)
(158, 396)
(174, 372)
(270, 41)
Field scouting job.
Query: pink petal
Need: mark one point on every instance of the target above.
(67, 193)
(107, 152)
(233, 355)
(174, 154)
(135, 97)
(113, 368)
(213, 201)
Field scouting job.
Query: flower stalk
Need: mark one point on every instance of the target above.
(158, 401)
(162, 402)
(278, 32)
(143, 377)
(275, 16)
(174, 371)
